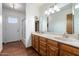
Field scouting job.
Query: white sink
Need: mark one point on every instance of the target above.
(70, 40)
(67, 39)
(48, 35)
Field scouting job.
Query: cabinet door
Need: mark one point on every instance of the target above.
(52, 51)
(43, 51)
(65, 53)
(33, 41)
(36, 43)
(52, 48)
(43, 46)
(68, 50)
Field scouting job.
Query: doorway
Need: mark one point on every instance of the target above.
(12, 17)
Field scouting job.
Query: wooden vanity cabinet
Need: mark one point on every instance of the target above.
(42, 46)
(65, 53)
(48, 47)
(35, 42)
(52, 48)
(66, 50)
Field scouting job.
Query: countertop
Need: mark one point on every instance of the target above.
(59, 38)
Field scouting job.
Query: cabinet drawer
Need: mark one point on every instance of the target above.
(52, 43)
(52, 51)
(52, 48)
(42, 52)
(42, 43)
(65, 53)
(43, 46)
(36, 41)
(36, 37)
(70, 49)
(43, 39)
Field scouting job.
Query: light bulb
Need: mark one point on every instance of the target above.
(56, 8)
(47, 13)
(11, 5)
(50, 9)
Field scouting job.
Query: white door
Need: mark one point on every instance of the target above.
(12, 29)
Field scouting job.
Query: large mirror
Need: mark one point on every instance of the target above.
(76, 19)
(62, 21)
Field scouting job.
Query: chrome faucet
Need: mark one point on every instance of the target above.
(65, 35)
(78, 36)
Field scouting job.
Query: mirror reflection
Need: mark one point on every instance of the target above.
(76, 19)
(61, 22)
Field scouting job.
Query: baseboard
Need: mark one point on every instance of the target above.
(10, 41)
(29, 47)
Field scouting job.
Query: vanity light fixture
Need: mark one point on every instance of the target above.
(56, 8)
(52, 10)
(11, 5)
(47, 12)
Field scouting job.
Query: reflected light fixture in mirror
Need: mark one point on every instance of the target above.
(47, 13)
(56, 8)
(14, 5)
(52, 10)
(11, 5)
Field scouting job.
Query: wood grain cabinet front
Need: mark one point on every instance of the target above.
(52, 48)
(49, 47)
(67, 50)
(65, 53)
(42, 46)
(33, 41)
(35, 44)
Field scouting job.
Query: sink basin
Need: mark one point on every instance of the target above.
(67, 39)
(70, 40)
(49, 35)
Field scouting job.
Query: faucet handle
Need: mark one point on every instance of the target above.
(77, 36)
(65, 35)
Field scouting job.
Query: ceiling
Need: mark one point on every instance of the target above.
(22, 6)
(60, 5)
(16, 6)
